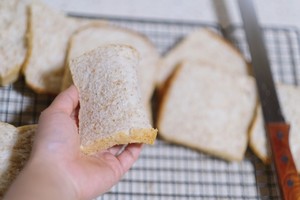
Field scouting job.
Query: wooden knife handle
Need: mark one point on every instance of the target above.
(287, 175)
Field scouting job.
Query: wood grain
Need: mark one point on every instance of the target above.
(287, 175)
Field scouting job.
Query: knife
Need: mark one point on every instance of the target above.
(276, 128)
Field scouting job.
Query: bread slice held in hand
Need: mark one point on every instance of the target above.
(16, 144)
(94, 35)
(111, 110)
(13, 25)
(289, 98)
(203, 45)
(207, 109)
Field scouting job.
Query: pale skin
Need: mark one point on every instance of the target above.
(57, 169)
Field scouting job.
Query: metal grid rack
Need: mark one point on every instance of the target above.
(166, 171)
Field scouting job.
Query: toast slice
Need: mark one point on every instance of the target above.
(111, 110)
(95, 35)
(289, 98)
(205, 46)
(16, 144)
(13, 25)
(48, 35)
(208, 109)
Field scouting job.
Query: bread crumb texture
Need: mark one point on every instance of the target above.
(203, 45)
(48, 35)
(208, 109)
(94, 35)
(16, 144)
(111, 111)
(13, 25)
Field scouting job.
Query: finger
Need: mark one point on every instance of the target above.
(56, 127)
(66, 101)
(117, 150)
(130, 154)
(114, 151)
(75, 114)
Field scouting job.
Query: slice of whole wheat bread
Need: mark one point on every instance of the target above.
(289, 98)
(13, 25)
(16, 144)
(48, 35)
(208, 109)
(203, 45)
(111, 110)
(95, 35)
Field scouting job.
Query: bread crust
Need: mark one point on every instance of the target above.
(146, 136)
(14, 51)
(11, 76)
(49, 75)
(29, 39)
(252, 144)
(163, 94)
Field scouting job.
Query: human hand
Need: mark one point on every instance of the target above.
(57, 169)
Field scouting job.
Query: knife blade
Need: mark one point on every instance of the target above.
(276, 128)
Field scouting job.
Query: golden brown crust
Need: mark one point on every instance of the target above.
(252, 144)
(146, 136)
(13, 74)
(10, 77)
(29, 39)
(163, 93)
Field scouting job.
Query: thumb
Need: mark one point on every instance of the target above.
(57, 130)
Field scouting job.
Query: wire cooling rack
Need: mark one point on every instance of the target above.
(166, 171)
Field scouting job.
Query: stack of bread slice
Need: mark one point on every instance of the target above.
(53, 39)
(34, 38)
(48, 35)
(208, 101)
(16, 144)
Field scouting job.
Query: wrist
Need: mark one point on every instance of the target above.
(40, 180)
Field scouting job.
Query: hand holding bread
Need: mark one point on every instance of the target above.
(59, 169)
(208, 97)
(111, 109)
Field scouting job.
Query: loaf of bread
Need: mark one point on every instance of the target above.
(94, 35)
(289, 98)
(13, 25)
(16, 144)
(208, 109)
(203, 45)
(111, 110)
(48, 35)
